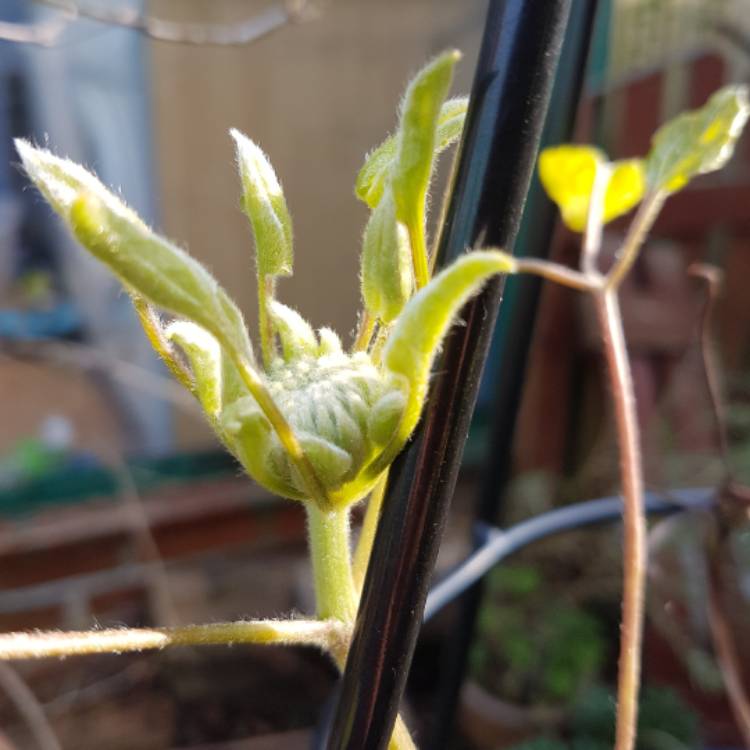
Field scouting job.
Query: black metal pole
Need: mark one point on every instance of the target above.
(508, 104)
(519, 314)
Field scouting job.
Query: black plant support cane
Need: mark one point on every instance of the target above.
(509, 100)
(519, 312)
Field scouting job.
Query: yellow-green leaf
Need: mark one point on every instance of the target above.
(296, 335)
(417, 137)
(699, 141)
(376, 170)
(420, 329)
(567, 174)
(264, 203)
(386, 276)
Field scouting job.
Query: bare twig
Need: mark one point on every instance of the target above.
(723, 640)
(39, 34)
(29, 707)
(324, 634)
(734, 497)
(230, 34)
(557, 273)
(83, 356)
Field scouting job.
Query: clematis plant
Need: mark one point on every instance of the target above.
(320, 423)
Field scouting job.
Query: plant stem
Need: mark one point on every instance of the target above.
(369, 527)
(639, 227)
(38, 644)
(557, 273)
(634, 520)
(335, 593)
(266, 292)
(364, 332)
(419, 251)
(328, 533)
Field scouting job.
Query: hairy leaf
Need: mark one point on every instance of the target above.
(417, 136)
(264, 204)
(699, 141)
(387, 276)
(376, 170)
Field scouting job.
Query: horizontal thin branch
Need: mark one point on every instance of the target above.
(324, 634)
(558, 273)
(220, 34)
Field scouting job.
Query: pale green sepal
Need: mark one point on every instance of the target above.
(233, 387)
(699, 141)
(264, 204)
(251, 438)
(387, 276)
(375, 172)
(385, 417)
(204, 354)
(296, 335)
(163, 273)
(417, 136)
(420, 329)
(330, 462)
(153, 267)
(330, 343)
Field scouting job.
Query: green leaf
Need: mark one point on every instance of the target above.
(330, 343)
(153, 267)
(420, 329)
(386, 276)
(376, 170)
(417, 137)
(385, 416)
(697, 142)
(331, 463)
(252, 440)
(296, 334)
(264, 204)
(204, 354)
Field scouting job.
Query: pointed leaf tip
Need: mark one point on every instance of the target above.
(263, 202)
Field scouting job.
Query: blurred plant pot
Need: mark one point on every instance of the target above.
(490, 722)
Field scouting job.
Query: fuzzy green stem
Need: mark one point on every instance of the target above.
(266, 293)
(418, 244)
(369, 527)
(328, 534)
(364, 332)
(39, 644)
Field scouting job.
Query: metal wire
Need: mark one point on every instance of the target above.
(500, 543)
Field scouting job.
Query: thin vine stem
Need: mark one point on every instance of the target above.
(367, 534)
(266, 293)
(639, 228)
(634, 519)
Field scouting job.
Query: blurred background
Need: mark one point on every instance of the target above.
(117, 505)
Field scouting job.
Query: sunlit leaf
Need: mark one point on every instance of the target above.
(699, 141)
(567, 174)
(387, 276)
(152, 266)
(296, 335)
(374, 174)
(417, 137)
(265, 206)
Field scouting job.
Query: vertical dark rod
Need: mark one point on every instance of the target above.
(509, 101)
(519, 313)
